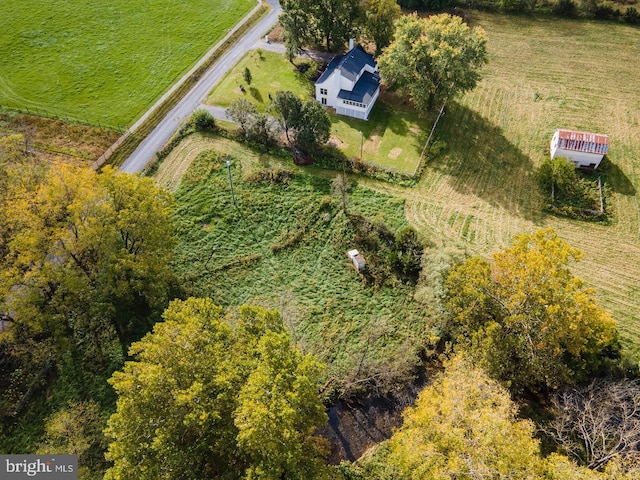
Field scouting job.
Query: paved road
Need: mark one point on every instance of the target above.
(162, 133)
(220, 112)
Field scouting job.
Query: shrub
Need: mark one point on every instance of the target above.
(272, 175)
(247, 75)
(565, 8)
(203, 121)
(587, 8)
(606, 11)
(632, 16)
(407, 255)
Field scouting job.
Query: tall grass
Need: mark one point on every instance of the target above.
(285, 246)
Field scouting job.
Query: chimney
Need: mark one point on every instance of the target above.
(351, 43)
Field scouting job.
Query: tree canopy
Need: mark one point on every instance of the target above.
(433, 59)
(305, 124)
(599, 423)
(464, 426)
(84, 267)
(526, 318)
(379, 21)
(331, 21)
(211, 395)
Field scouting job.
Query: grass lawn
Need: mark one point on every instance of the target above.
(270, 72)
(228, 255)
(104, 61)
(543, 74)
(393, 137)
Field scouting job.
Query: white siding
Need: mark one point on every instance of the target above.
(581, 159)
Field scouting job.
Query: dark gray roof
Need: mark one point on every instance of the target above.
(349, 64)
(333, 64)
(364, 90)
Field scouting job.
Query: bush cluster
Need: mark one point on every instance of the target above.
(271, 175)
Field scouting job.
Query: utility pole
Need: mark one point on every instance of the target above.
(233, 197)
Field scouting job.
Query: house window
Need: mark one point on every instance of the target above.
(323, 91)
(324, 101)
(355, 104)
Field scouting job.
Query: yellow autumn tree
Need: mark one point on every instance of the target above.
(215, 397)
(526, 318)
(464, 426)
(84, 269)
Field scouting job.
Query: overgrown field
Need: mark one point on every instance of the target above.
(50, 138)
(393, 137)
(285, 246)
(101, 61)
(543, 74)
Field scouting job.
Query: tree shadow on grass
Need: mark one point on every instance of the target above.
(319, 184)
(615, 178)
(255, 93)
(484, 163)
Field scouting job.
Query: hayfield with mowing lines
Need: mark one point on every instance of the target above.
(543, 74)
(102, 61)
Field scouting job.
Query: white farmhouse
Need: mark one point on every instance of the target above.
(584, 149)
(350, 84)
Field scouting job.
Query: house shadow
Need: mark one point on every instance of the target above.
(382, 118)
(484, 163)
(615, 178)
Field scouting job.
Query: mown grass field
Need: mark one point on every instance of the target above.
(228, 254)
(543, 74)
(104, 62)
(393, 137)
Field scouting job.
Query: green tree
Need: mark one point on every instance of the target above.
(314, 128)
(333, 21)
(205, 398)
(242, 111)
(203, 121)
(76, 429)
(287, 108)
(464, 426)
(279, 411)
(557, 174)
(298, 27)
(337, 20)
(407, 255)
(379, 20)
(247, 76)
(433, 59)
(261, 130)
(305, 124)
(87, 257)
(526, 318)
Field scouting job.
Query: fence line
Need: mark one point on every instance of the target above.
(433, 129)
